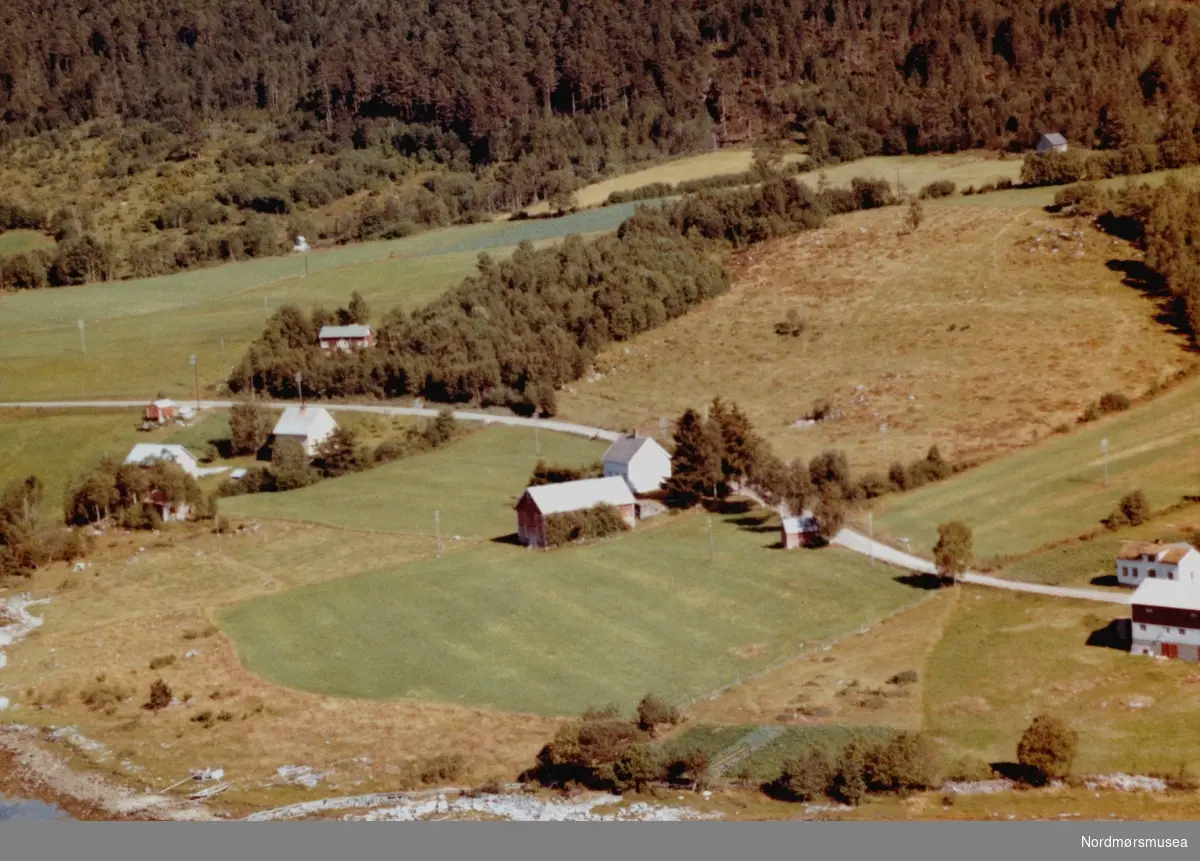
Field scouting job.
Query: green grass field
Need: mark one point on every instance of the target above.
(139, 334)
(1004, 658)
(20, 241)
(57, 445)
(554, 632)
(473, 482)
(1056, 489)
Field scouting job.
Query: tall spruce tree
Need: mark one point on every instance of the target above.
(696, 461)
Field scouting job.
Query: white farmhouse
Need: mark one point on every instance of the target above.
(1166, 619)
(146, 453)
(1141, 560)
(309, 426)
(642, 462)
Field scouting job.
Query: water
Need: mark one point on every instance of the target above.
(15, 809)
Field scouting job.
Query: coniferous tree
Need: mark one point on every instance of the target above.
(695, 462)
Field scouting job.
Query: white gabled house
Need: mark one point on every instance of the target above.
(538, 503)
(1141, 560)
(642, 462)
(146, 453)
(309, 426)
(1051, 142)
(1165, 619)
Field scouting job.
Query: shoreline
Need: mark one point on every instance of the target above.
(28, 771)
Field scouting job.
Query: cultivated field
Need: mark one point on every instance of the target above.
(140, 334)
(503, 627)
(472, 482)
(1056, 490)
(57, 445)
(981, 331)
(913, 173)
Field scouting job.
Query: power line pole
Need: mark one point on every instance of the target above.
(300, 387)
(1104, 451)
(196, 376)
(711, 551)
(82, 342)
(222, 354)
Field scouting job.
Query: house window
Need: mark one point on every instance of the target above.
(1124, 571)
(1152, 574)
(1143, 627)
(1170, 575)
(1181, 630)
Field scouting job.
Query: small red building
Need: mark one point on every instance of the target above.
(346, 337)
(161, 411)
(800, 531)
(538, 503)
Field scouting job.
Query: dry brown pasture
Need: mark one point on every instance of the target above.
(982, 330)
(103, 626)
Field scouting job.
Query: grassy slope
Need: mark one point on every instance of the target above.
(140, 333)
(58, 445)
(473, 483)
(1005, 658)
(1055, 490)
(958, 334)
(554, 632)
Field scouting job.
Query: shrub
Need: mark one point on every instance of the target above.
(905, 677)
(691, 767)
(443, 768)
(1047, 748)
(1132, 510)
(938, 188)
(903, 764)
(791, 325)
(807, 777)
(599, 521)
(654, 711)
(161, 661)
(953, 552)
(1113, 402)
(970, 768)
(160, 696)
(204, 718)
(100, 695)
(636, 768)
(820, 410)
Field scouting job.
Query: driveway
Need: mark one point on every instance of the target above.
(486, 418)
(860, 543)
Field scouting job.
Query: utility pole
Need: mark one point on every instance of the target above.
(196, 376)
(222, 354)
(1104, 451)
(883, 432)
(82, 342)
(300, 387)
(711, 551)
(437, 531)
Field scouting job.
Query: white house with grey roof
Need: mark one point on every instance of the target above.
(346, 337)
(539, 502)
(1141, 560)
(642, 462)
(1051, 142)
(307, 425)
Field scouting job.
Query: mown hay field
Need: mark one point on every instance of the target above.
(472, 482)
(504, 627)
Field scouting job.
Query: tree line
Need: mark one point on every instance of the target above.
(520, 329)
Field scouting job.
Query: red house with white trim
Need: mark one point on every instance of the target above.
(161, 411)
(346, 337)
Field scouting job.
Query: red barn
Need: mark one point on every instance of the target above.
(538, 503)
(161, 411)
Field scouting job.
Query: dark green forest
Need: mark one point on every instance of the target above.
(572, 84)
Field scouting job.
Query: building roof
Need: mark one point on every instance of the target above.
(577, 495)
(335, 332)
(160, 498)
(801, 524)
(148, 452)
(303, 421)
(1172, 594)
(1054, 139)
(1159, 552)
(623, 450)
